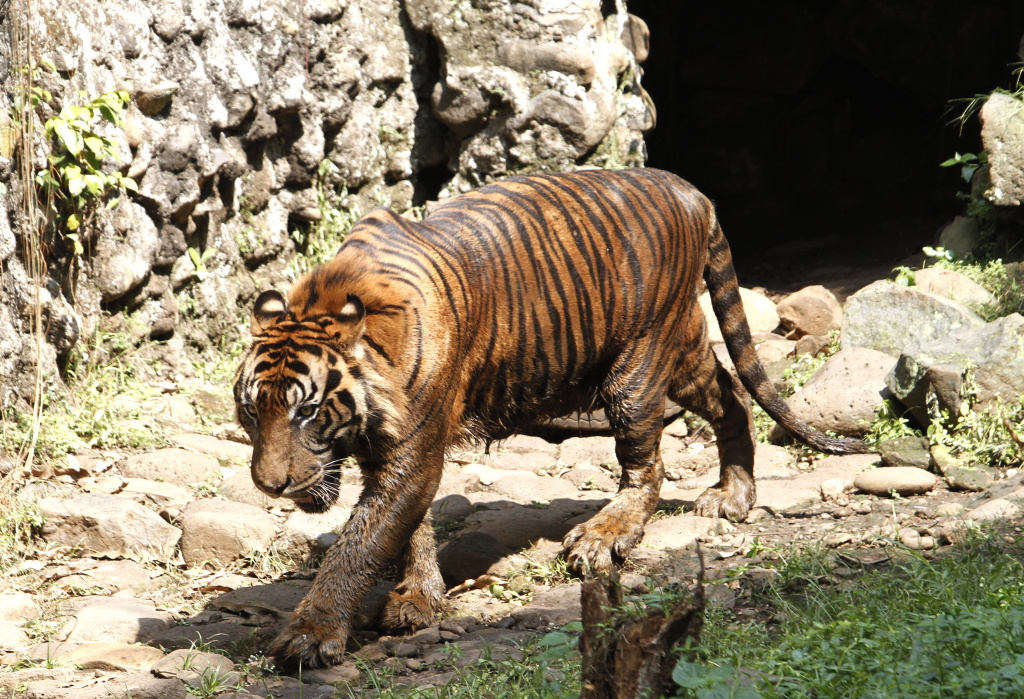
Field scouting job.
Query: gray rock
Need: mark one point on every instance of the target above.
(115, 621)
(220, 634)
(278, 600)
(17, 607)
(953, 285)
(112, 657)
(993, 510)
(314, 532)
(571, 59)
(760, 311)
(175, 466)
(13, 637)
(223, 531)
(588, 450)
(469, 556)
(240, 488)
(168, 20)
(843, 394)
(112, 576)
(810, 345)
(813, 310)
(1002, 133)
(137, 685)
(970, 478)
(11, 681)
(556, 606)
(928, 377)
(905, 451)
(903, 480)
(889, 318)
(154, 99)
(525, 488)
(961, 236)
(191, 661)
(125, 251)
(962, 476)
(676, 533)
(218, 448)
(107, 525)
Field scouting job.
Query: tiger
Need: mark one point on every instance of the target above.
(523, 300)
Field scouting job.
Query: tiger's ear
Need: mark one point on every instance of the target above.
(270, 305)
(350, 321)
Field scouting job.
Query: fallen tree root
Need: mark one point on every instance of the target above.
(626, 656)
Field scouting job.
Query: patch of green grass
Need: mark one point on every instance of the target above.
(949, 627)
(320, 240)
(550, 669)
(17, 522)
(99, 407)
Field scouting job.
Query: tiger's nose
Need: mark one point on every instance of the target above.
(274, 488)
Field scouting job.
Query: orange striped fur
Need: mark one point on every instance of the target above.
(523, 300)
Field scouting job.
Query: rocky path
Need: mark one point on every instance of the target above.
(165, 573)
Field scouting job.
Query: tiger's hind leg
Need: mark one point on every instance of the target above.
(702, 385)
(419, 596)
(635, 404)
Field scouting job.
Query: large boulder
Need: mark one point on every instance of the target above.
(889, 317)
(843, 394)
(928, 377)
(107, 525)
(1002, 133)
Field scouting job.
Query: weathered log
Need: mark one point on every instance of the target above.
(625, 657)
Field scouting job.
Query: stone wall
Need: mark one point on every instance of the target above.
(236, 103)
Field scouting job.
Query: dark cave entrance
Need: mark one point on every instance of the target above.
(818, 127)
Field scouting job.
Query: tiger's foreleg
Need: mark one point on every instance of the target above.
(634, 402)
(395, 500)
(419, 595)
(701, 384)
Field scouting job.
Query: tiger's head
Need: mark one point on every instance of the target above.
(306, 398)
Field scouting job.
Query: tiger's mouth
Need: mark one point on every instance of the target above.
(319, 496)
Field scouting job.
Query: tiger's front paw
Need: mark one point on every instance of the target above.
(304, 644)
(596, 546)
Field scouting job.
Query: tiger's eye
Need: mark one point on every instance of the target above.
(249, 410)
(307, 411)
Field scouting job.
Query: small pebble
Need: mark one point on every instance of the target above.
(506, 622)
(411, 663)
(842, 512)
(449, 636)
(863, 508)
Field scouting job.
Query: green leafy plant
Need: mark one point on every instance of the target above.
(75, 182)
(199, 261)
(968, 162)
(889, 423)
(992, 436)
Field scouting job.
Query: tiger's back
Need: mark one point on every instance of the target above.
(542, 281)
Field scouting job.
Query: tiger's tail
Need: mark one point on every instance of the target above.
(725, 299)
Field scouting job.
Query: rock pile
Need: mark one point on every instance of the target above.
(245, 114)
